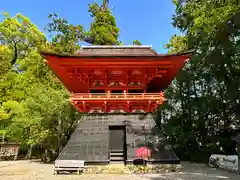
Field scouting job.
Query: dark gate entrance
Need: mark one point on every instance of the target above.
(117, 143)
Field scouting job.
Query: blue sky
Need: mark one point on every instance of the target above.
(146, 20)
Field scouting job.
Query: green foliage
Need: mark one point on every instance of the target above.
(137, 42)
(20, 35)
(177, 44)
(67, 37)
(5, 58)
(103, 29)
(202, 113)
(33, 103)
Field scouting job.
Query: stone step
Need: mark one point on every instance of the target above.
(116, 163)
(116, 158)
(116, 154)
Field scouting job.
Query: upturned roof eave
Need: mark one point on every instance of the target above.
(69, 55)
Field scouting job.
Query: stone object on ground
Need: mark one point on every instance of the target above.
(132, 169)
(228, 162)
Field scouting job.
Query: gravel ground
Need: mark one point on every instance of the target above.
(26, 170)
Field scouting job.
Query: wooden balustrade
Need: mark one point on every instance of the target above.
(122, 96)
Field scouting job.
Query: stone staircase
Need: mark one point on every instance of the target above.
(116, 157)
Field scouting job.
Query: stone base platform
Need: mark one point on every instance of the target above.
(130, 169)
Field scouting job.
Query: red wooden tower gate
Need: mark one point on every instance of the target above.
(114, 79)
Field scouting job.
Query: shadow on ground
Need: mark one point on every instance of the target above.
(197, 172)
(40, 161)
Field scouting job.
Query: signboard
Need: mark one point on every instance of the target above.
(8, 151)
(230, 162)
(143, 152)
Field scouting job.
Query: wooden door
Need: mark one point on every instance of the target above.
(116, 138)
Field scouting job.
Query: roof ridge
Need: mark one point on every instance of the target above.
(116, 46)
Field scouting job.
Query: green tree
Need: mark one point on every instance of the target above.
(33, 102)
(137, 42)
(65, 37)
(5, 60)
(177, 44)
(103, 29)
(20, 35)
(203, 100)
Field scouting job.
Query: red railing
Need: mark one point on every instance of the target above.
(122, 96)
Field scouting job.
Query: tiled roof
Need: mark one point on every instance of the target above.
(117, 50)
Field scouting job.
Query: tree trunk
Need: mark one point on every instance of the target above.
(182, 98)
(3, 138)
(60, 135)
(15, 55)
(188, 104)
(29, 153)
(16, 155)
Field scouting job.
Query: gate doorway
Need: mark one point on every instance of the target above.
(117, 144)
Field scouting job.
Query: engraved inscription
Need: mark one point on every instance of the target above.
(116, 84)
(134, 83)
(98, 83)
(136, 72)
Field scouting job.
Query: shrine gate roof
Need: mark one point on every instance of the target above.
(155, 71)
(116, 51)
(109, 78)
